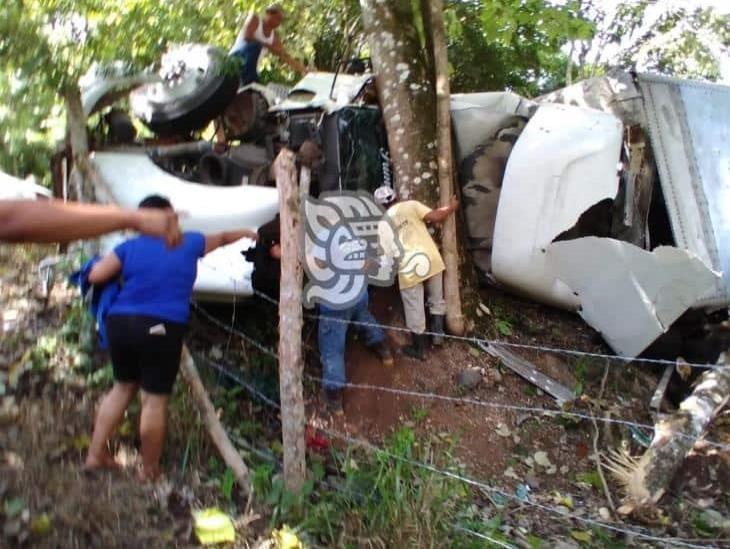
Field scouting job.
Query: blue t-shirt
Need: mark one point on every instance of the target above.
(158, 281)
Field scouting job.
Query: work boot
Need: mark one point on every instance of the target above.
(415, 349)
(333, 401)
(383, 351)
(437, 327)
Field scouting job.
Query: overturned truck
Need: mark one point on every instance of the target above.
(610, 198)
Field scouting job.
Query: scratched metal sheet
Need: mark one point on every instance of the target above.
(689, 128)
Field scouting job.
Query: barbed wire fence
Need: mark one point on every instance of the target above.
(561, 513)
(457, 400)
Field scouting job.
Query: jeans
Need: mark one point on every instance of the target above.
(249, 55)
(333, 334)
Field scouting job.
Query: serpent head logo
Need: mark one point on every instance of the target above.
(343, 248)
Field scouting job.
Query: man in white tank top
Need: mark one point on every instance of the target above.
(258, 33)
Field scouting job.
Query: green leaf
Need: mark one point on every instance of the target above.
(13, 507)
(582, 535)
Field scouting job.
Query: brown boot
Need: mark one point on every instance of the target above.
(383, 351)
(416, 348)
(333, 401)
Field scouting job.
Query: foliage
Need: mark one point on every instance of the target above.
(668, 38)
(381, 499)
(510, 44)
(47, 45)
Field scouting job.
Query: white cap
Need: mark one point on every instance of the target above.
(384, 195)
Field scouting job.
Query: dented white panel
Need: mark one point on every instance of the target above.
(564, 162)
(689, 131)
(127, 178)
(628, 294)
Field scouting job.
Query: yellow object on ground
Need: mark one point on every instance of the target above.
(286, 539)
(213, 526)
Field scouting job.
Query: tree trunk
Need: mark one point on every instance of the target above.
(407, 95)
(291, 362)
(454, 316)
(645, 479)
(217, 433)
(81, 183)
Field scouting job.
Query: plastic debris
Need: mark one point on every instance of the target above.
(286, 539)
(213, 526)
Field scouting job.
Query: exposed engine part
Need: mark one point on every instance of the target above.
(180, 149)
(246, 116)
(245, 163)
(121, 128)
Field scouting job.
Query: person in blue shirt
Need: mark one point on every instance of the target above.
(145, 327)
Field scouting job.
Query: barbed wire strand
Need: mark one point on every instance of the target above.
(498, 543)
(478, 484)
(525, 346)
(473, 482)
(461, 400)
(267, 456)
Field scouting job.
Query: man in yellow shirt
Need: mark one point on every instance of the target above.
(419, 265)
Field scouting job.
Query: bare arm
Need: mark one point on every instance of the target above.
(213, 241)
(249, 27)
(58, 221)
(277, 48)
(105, 269)
(438, 215)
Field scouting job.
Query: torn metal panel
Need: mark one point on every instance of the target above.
(658, 397)
(689, 132)
(486, 126)
(628, 294)
(564, 162)
(476, 117)
(126, 178)
(525, 369)
(13, 188)
(614, 92)
(315, 91)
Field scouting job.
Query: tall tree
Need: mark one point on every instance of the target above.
(454, 316)
(669, 38)
(406, 90)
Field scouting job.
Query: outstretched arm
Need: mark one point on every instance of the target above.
(277, 48)
(105, 269)
(58, 221)
(213, 241)
(438, 215)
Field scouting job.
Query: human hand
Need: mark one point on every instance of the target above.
(453, 203)
(161, 223)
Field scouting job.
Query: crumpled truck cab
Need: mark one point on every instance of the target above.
(608, 198)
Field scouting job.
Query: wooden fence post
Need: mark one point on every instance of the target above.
(291, 362)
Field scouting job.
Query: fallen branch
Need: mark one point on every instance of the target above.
(217, 433)
(596, 435)
(646, 478)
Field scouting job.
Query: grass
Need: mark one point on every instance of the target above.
(377, 499)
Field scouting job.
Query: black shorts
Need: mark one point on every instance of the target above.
(145, 350)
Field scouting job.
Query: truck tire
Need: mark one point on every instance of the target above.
(197, 84)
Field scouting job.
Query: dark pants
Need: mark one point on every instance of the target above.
(145, 350)
(249, 55)
(333, 334)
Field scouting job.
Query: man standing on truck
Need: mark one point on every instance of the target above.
(256, 34)
(420, 265)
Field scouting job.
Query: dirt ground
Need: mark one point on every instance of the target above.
(46, 420)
